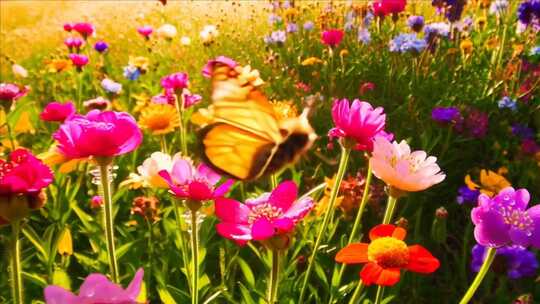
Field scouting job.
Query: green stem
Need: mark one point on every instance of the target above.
(180, 109)
(181, 240)
(109, 220)
(10, 135)
(163, 143)
(356, 225)
(345, 152)
(390, 207)
(194, 259)
(273, 282)
(79, 91)
(357, 292)
(490, 255)
(273, 181)
(150, 254)
(379, 296)
(16, 279)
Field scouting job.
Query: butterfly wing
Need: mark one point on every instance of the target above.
(239, 103)
(236, 152)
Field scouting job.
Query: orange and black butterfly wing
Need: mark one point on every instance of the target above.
(236, 152)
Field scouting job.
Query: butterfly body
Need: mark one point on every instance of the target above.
(245, 138)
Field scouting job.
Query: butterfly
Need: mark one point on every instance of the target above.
(245, 137)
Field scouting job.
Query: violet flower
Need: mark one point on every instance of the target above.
(516, 262)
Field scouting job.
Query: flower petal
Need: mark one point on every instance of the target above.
(354, 253)
(58, 295)
(241, 234)
(382, 230)
(299, 209)
(283, 225)
(229, 210)
(98, 288)
(134, 287)
(262, 229)
(222, 189)
(388, 277)
(491, 230)
(421, 260)
(284, 195)
(370, 273)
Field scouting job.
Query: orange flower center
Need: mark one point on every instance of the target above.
(388, 252)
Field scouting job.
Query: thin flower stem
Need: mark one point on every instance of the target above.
(379, 296)
(182, 240)
(180, 109)
(163, 143)
(356, 225)
(357, 292)
(79, 91)
(345, 152)
(273, 181)
(194, 258)
(109, 220)
(16, 279)
(490, 256)
(150, 246)
(390, 208)
(273, 282)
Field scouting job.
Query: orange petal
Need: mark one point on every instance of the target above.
(421, 260)
(388, 277)
(380, 231)
(353, 254)
(370, 273)
(399, 233)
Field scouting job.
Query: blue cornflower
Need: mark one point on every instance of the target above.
(131, 72)
(407, 43)
(507, 102)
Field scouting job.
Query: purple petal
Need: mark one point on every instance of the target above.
(491, 231)
(522, 198)
(299, 209)
(519, 237)
(229, 210)
(182, 171)
(134, 288)
(534, 214)
(175, 189)
(284, 195)
(58, 295)
(97, 287)
(262, 229)
(209, 174)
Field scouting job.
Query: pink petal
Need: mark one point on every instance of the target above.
(134, 287)
(58, 295)
(200, 191)
(262, 229)
(182, 171)
(284, 225)
(284, 195)
(97, 287)
(229, 210)
(299, 209)
(209, 174)
(175, 189)
(222, 189)
(241, 234)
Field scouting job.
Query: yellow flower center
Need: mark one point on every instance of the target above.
(388, 252)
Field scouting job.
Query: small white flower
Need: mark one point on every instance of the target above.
(167, 31)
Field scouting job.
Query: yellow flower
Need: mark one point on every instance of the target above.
(492, 43)
(518, 49)
(159, 118)
(321, 206)
(58, 65)
(311, 61)
(65, 243)
(142, 101)
(54, 157)
(23, 124)
(290, 13)
(466, 46)
(140, 62)
(481, 22)
(285, 109)
(490, 182)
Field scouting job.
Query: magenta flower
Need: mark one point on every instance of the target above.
(68, 27)
(23, 173)
(98, 134)
(78, 60)
(505, 220)
(56, 111)
(332, 37)
(84, 28)
(96, 288)
(11, 92)
(190, 99)
(73, 42)
(358, 122)
(145, 31)
(207, 69)
(194, 183)
(269, 215)
(382, 8)
(176, 81)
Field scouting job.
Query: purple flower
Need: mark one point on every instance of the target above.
(177, 81)
(131, 72)
(528, 11)
(101, 46)
(508, 103)
(504, 220)
(96, 288)
(273, 18)
(407, 43)
(220, 60)
(529, 146)
(416, 23)
(364, 36)
(292, 27)
(111, 86)
(278, 37)
(515, 261)
(446, 115)
(467, 195)
(522, 131)
(309, 25)
(436, 29)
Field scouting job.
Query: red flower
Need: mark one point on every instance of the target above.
(382, 8)
(56, 111)
(332, 37)
(386, 255)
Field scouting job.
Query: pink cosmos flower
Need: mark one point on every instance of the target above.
(358, 122)
(56, 111)
(98, 134)
(332, 37)
(195, 183)
(23, 173)
(400, 168)
(84, 28)
(207, 69)
(11, 92)
(145, 31)
(96, 288)
(176, 81)
(78, 60)
(269, 215)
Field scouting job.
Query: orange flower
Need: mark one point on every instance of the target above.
(386, 255)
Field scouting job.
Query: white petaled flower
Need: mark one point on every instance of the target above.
(167, 31)
(209, 33)
(19, 71)
(185, 40)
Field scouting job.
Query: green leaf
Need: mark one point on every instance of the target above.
(35, 278)
(246, 271)
(165, 296)
(32, 236)
(124, 248)
(61, 278)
